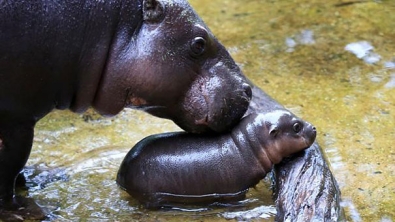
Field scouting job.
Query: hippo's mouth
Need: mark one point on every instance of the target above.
(203, 121)
(200, 114)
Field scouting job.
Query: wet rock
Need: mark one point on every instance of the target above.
(306, 189)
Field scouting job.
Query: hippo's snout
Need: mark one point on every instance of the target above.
(224, 113)
(222, 116)
(215, 104)
(310, 134)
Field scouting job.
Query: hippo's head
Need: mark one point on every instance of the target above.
(173, 67)
(286, 134)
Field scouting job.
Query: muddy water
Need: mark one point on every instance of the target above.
(295, 51)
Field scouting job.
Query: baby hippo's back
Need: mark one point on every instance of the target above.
(187, 168)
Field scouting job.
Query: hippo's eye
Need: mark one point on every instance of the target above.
(297, 127)
(198, 46)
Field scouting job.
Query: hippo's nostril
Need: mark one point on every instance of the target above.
(203, 121)
(247, 89)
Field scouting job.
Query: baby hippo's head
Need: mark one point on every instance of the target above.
(287, 134)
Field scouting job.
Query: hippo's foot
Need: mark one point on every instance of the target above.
(20, 209)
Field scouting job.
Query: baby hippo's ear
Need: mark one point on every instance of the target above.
(153, 11)
(273, 131)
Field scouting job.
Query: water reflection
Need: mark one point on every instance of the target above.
(90, 193)
(263, 212)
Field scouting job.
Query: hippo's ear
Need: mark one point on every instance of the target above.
(153, 10)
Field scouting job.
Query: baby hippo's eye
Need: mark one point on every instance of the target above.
(198, 45)
(297, 127)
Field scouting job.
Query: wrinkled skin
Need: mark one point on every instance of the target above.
(171, 168)
(152, 55)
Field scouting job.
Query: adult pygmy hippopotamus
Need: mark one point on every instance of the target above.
(173, 168)
(153, 55)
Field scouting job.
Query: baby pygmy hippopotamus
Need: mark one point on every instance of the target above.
(181, 167)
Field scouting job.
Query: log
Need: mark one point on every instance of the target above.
(304, 187)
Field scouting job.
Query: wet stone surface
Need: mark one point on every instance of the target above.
(294, 50)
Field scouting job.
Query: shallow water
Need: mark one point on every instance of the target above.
(295, 51)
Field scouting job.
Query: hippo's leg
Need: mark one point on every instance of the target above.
(16, 139)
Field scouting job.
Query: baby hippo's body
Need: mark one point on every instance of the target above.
(181, 167)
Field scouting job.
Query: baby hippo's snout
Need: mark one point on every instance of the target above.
(310, 134)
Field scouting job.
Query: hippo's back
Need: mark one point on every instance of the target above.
(46, 46)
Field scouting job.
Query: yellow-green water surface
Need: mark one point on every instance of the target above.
(295, 51)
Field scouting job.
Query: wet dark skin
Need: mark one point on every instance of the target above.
(172, 168)
(157, 56)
